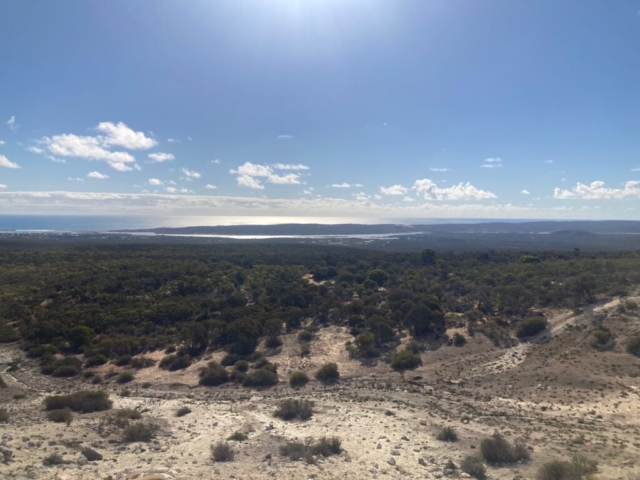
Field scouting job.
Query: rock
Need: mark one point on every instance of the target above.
(63, 476)
(268, 456)
(422, 462)
(395, 453)
(6, 453)
(391, 461)
(91, 454)
(379, 446)
(82, 460)
(405, 438)
(449, 473)
(465, 475)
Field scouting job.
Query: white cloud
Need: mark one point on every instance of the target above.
(216, 161)
(2, 185)
(308, 191)
(161, 157)
(75, 179)
(185, 190)
(408, 199)
(1, 142)
(250, 173)
(56, 160)
(548, 161)
(155, 181)
(597, 191)
(97, 175)
(463, 191)
(394, 190)
(341, 185)
(287, 166)
(172, 140)
(492, 162)
(6, 163)
(210, 187)
(285, 136)
(137, 167)
(440, 169)
(190, 174)
(358, 185)
(12, 122)
(525, 192)
(34, 149)
(171, 189)
(120, 135)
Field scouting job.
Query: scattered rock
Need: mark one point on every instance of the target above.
(90, 454)
(391, 461)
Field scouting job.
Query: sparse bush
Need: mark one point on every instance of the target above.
(182, 411)
(405, 360)
(222, 452)
(66, 371)
(4, 415)
(447, 434)
(633, 346)
(291, 408)
(96, 379)
(459, 340)
(273, 342)
(175, 362)
(122, 418)
(125, 377)
(630, 305)
(82, 402)
(213, 374)
(230, 359)
(474, 466)
(305, 336)
(298, 379)
(238, 437)
(143, 431)
(62, 415)
(146, 385)
(577, 468)
(601, 337)
(450, 465)
(305, 349)
(531, 326)
(325, 446)
(294, 451)
(497, 450)
(54, 459)
(96, 361)
(241, 365)
(123, 360)
(328, 373)
(142, 362)
(260, 378)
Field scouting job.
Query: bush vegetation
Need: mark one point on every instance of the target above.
(262, 377)
(62, 415)
(497, 450)
(125, 377)
(238, 437)
(405, 360)
(531, 326)
(4, 415)
(298, 379)
(82, 402)
(633, 346)
(328, 373)
(578, 468)
(222, 452)
(142, 431)
(447, 434)
(213, 374)
(325, 446)
(174, 362)
(291, 409)
(474, 466)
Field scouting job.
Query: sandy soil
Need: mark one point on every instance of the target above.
(557, 392)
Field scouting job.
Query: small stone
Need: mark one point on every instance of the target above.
(90, 454)
(391, 461)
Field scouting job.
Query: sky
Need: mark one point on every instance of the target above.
(373, 109)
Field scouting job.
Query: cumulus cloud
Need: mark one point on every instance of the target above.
(172, 140)
(34, 149)
(394, 190)
(1, 142)
(250, 175)
(97, 175)
(190, 174)
(75, 179)
(210, 187)
(525, 192)
(597, 191)
(2, 185)
(56, 160)
(161, 157)
(185, 190)
(440, 169)
(216, 161)
(463, 191)
(120, 135)
(288, 166)
(341, 185)
(493, 162)
(155, 181)
(284, 137)
(6, 163)
(171, 189)
(12, 122)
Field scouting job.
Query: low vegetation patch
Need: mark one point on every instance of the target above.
(447, 434)
(325, 446)
(142, 431)
(291, 409)
(62, 415)
(64, 367)
(142, 362)
(633, 346)
(474, 466)
(531, 326)
(298, 379)
(261, 377)
(578, 468)
(182, 411)
(125, 377)
(213, 374)
(54, 459)
(497, 450)
(238, 437)
(405, 360)
(175, 362)
(4, 415)
(222, 452)
(82, 402)
(328, 373)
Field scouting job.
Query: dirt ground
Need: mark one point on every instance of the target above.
(558, 393)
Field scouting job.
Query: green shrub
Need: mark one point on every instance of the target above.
(4, 415)
(602, 337)
(175, 362)
(82, 402)
(325, 446)
(305, 349)
(294, 451)
(66, 371)
(241, 365)
(123, 360)
(213, 374)
(143, 431)
(96, 379)
(531, 326)
(273, 342)
(142, 362)
(305, 336)
(633, 346)
(96, 361)
(62, 415)
(222, 452)
(328, 373)
(447, 434)
(290, 409)
(497, 450)
(298, 379)
(405, 360)
(578, 468)
(125, 377)
(182, 411)
(238, 437)
(458, 339)
(474, 466)
(260, 378)
(54, 459)
(230, 359)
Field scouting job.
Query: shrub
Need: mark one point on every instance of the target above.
(4, 415)
(123, 360)
(182, 411)
(230, 359)
(143, 431)
(96, 379)
(497, 449)
(298, 379)
(577, 468)
(447, 434)
(474, 466)
(531, 326)
(82, 402)
(125, 377)
(325, 446)
(238, 437)
(241, 365)
(65, 371)
(630, 305)
(601, 337)
(305, 336)
(175, 362)
(450, 465)
(142, 362)
(294, 451)
(121, 418)
(96, 360)
(65, 367)
(54, 459)
(328, 373)
(633, 346)
(405, 360)
(146, 384)
(273, 342)
(2, 383)
(222, 452)
(260, 378)
(305, 349)
(459, 340)
(213, 374)
(289, 409)
(62, 415)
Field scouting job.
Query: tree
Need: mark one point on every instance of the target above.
(80, 336)
(195, 337)
(379, 276)
(428, 256)
(273, 327)
(424, 321)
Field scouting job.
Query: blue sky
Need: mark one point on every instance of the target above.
(306, 108)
